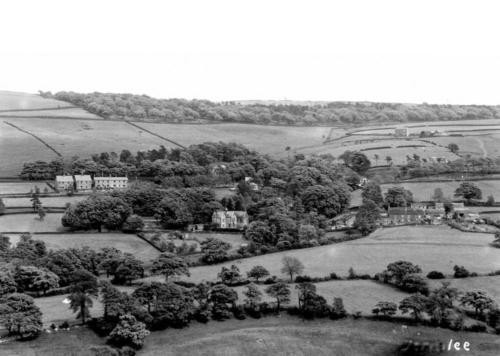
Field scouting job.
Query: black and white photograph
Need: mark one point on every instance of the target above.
(249, 178)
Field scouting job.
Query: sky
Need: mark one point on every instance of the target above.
(390, 51)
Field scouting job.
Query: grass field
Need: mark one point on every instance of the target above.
(21, 187)
(48, 202)
(349, 291)
(125, 242)
(21, 101)
(17, 147)
(397, 153)
(278, 336)
(31, 223)
(490, 285)
(73, 137)
(431, 247)
(62, 112)
(423, 191)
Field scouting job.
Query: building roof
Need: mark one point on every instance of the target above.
(83, 177)
(110, 178)
(64, 178)
(220, 213)
(405, 211)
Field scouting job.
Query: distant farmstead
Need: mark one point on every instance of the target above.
(230, 219)
(111, 182)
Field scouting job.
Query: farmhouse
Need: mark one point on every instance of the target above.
(111, 182)
(224, 219)
(64, 182)
(402, 132)
(83, 182)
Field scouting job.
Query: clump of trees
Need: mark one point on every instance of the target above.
(96, 212)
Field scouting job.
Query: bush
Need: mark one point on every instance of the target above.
(271, 280)
(460, 272)
(202, 315)
(435, 275)
(333, 275)
(476, 327)
(302, 279)
(239, 312)
(101, 326)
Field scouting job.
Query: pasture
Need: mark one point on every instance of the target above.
(348, 290)
(489, 284)
(129, 243)
(21, 187)
(10, 100)
(423, 191)
(431, 247)
(48, 202)
(86, 137)
(283, 335)
(31, 223)
(378, 150)
(66, 113)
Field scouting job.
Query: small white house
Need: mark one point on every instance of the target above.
(83, 182)
(64, 182)
(111, 182)
(402, 132)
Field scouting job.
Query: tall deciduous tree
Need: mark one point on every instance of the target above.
(281, 292)
(170, 265)
(20, 316)
(291, 266)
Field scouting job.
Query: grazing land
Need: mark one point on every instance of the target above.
(349, 291)
(49, 202)
(22, 101)
(423, 191)
(31, 223)
(21, 187)
(268, 336)
(489, 284)
(431, 247)
(129, 243)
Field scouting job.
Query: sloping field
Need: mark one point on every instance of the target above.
(17, 147)
(31, 223)
(68, 113)
(125, 242)
(349, 291)
(86, 137)
(431, 247)
(265, 139)
(380, 148)
(22, 101)
(490, 285)
(280, 336)
(21, 187)
(424, 190)
(48, 202)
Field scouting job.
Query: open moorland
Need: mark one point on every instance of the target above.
(268, 336)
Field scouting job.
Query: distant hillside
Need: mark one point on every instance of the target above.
(145, 108)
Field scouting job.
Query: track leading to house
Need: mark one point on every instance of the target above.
(155, 134)
(36, 137)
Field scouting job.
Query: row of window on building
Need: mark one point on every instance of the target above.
(86, 182)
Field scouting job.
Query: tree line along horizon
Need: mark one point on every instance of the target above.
(145, 108)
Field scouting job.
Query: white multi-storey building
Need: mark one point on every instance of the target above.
(83, 182)
(64, 182)
(110, 182)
